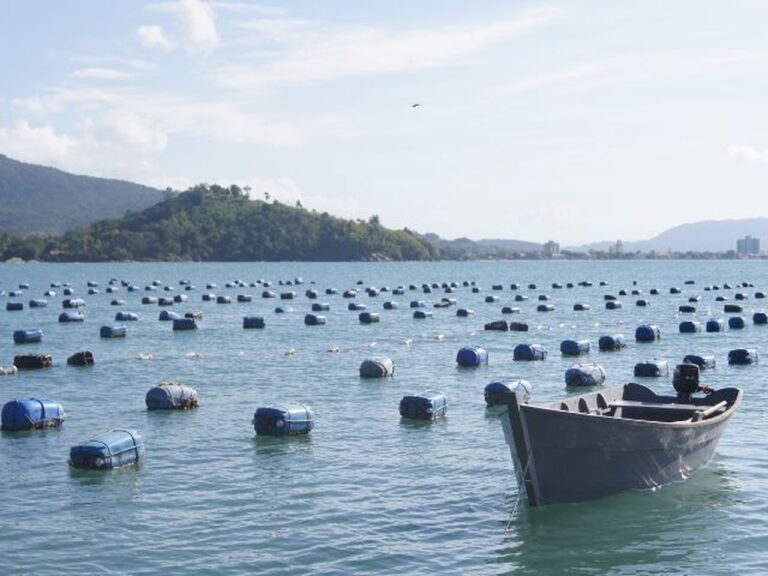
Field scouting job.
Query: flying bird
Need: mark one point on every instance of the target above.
(415, 105)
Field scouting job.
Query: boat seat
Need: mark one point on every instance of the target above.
(656, 405)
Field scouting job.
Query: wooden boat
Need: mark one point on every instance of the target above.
(607, 441)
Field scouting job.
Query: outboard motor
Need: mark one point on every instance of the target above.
(686, 381)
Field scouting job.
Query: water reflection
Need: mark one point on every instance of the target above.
(663, 531)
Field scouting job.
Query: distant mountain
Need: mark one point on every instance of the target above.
(41, 200)
(704, 236)
(213, 223)
(466, 248)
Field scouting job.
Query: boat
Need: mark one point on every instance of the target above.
(602, 442)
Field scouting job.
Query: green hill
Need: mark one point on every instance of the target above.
(41, 200)
(212, 223)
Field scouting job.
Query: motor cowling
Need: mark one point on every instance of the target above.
(686, 380)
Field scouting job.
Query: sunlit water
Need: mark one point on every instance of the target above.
(366, 493)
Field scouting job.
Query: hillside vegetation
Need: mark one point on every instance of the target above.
(213, 223)
(41, 200)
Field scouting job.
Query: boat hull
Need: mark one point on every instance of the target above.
(568, 456)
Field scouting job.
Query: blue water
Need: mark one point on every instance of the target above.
(366, 493)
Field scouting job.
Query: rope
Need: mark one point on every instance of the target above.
(519, 499)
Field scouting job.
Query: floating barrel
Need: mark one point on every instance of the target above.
(674, 290)
(545, 308)
(652, 369)
(464, 312)
(520, 297)
(181, 324)
(612, 305)
(311, 294)
(196, 314)
(289, 420)
(32, 361)
(290, 295)
(529, 352)
(168, 316)
(736, 322)
(760, 318)
(496, 392)
(759, 295)
(647, 333)
(349, 293)
(514, 286)
(531, 286)
(171, 396)
(422, 314)
(686, 309)
(498, 325)
(320, 307)
(703, 362)
(609, 297)
(314, 320)
(721, 299)
(372, 292)
(14, 306)
(165, 301)
(642, 303)
(126, 317)
(518, 327)
(389, 305)
(368, 317)
(690, 327)
(715, 325)
(654, 291)
(510, 310)
(497, 287)
(355, 306)
(38, 303)
(68, 291)
(418, 304)
(574, 347)
(425, 406)
(588, 374)
(223, 300)
(83, 358)
(29, 336)
(31, 414)
(283, 309)
(610, 343)
(694, 299)
(92, 291)
(253, 322)
(580, 307)
(475, 289)
(471, 356)
(543, 298)
(377, 367)
(398, 291)
(268, 294)
(152, 300)
(742, 356)
(622, 292)
(72, 316)
(113, 449)
(733, 308)
(116, 331)
(179, 298)
(740, 296)
(117, 302)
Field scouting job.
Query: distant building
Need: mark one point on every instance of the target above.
(748, 246)
(551, 249)
(617, 248)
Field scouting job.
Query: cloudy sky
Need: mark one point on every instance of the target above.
(572, 120)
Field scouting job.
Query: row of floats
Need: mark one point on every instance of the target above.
(121, 447)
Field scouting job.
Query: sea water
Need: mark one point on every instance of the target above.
(366, 492)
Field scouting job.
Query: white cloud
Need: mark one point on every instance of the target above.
(154, 37)
(748, 153)
(102, 74)
(324, 54)
(133, 130)
(195, 29)
(22, 141)
(531, 83)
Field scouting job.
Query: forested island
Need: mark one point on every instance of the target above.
(217, 223)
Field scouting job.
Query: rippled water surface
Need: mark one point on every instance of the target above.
(366, 493)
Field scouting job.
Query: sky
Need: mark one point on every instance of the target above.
(576, 121)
